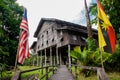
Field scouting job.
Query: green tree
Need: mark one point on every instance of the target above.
(10, 17)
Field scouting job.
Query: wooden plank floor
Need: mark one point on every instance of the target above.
(62, 74)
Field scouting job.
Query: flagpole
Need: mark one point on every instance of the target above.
(101, 52)
(17, 54)
(24, 26)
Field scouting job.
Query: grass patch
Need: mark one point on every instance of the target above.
(6, 75)
(111, 75)
(114, 75)
(22, 68)
(39, 73)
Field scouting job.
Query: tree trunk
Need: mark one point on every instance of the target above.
(88, 21)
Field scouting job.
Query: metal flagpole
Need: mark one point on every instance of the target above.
(17, 54)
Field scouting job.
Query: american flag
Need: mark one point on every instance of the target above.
(23, 48)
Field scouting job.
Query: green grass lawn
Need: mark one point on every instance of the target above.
(39, 73)
(7, 75)
(114, 75)
(26, 67)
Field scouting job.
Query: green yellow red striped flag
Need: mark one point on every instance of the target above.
(106, 34)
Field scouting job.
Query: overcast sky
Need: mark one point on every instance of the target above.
(67, 10)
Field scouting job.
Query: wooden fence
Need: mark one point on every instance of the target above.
(48, 69)
(101, 74)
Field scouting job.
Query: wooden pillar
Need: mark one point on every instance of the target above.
(69, 56)
(50, 55)
(45, 57)
(57, 55)
(33, 61)
(54, 59)
(37, 60)
(41, 59)
(60, 58)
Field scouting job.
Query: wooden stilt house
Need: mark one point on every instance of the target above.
(55, 38)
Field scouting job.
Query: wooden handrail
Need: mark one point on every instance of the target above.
(101, 74)
(18, 74)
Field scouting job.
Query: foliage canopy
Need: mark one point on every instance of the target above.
(10, 17)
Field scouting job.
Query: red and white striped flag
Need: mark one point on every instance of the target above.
(23, 48)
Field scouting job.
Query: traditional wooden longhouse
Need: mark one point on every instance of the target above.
(55, 38)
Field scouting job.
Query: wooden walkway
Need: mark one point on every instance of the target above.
(62, 74)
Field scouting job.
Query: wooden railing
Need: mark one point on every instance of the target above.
(101, 74)
(17, 75)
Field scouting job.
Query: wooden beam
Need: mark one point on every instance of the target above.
(57, 55)
(60, 58)
(69, 56)
(33, 61)
(50, 55)
(37, 60)
(54, 57)
(45, 57)
(41, 59)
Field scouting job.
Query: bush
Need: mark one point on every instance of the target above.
(90, 56)
(113, 63)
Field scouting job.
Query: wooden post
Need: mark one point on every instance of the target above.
(33, 61)
(54, 59)
(60, 58)
(46, 73)
(17, 54)
(57, 55)
(69, 56)
(53, 69)
(37, 60)
(50, 55)
(41, 59)
(101, 58)
(101, 74)
(45, 57)
(16, 61)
